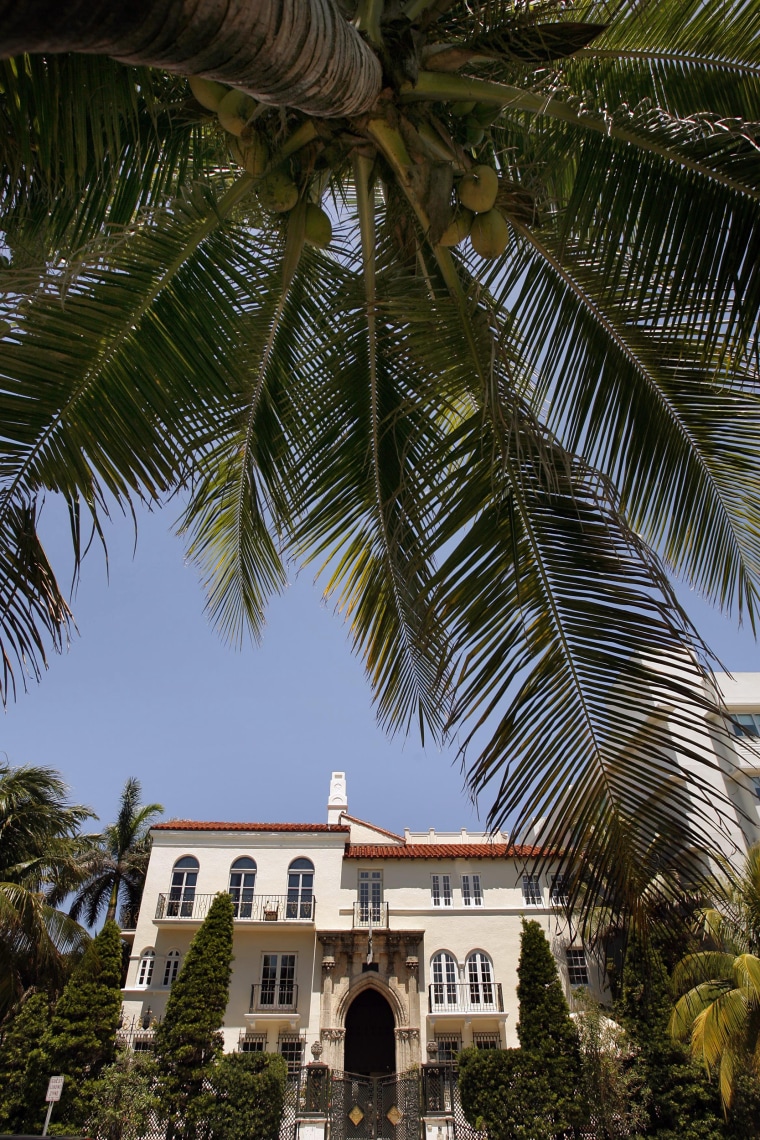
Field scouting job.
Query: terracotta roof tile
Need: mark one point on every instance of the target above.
(441, 851)
(214, 825)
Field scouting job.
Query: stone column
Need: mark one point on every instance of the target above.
(407, 1047)
(333, 1040)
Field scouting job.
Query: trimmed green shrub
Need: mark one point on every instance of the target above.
(249, 1096)
(188, 1040)
(507, 1092)
(24, 1068)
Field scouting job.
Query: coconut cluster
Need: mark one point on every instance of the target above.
(476, 215)
(276, 190)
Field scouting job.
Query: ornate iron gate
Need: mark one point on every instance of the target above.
(383, 1108)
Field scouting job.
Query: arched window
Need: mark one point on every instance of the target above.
(182, 890)
(300, 889)
(480, 980)
(444, 992)
(145, 969)
(171, 969)
(242, 882)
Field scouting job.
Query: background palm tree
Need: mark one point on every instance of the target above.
(40, 844)
(113, 869)
(720, 1010)
(499, 461)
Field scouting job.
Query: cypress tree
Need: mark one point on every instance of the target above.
(545, 1028)
(82, 1034)
(683, 1104)
(188, 1040)
(24, 1068)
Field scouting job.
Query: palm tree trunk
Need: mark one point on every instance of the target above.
(296, 53)
(113, 899)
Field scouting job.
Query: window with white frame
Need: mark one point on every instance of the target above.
(577, 969)
(145, 969)
(746, 724)
(171, 968)
(559, 892)
(445, 978)
(531, 890)
(242, 884)
(480, 980)
(291, 1047)
(300, 889)
(252, 1043)
(440, 890)
(278, 975)
(472, 894)
(370, 896)
(182, 889)
(449, 1044)
(486, 1040)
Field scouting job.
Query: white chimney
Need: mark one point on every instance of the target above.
(337, 804)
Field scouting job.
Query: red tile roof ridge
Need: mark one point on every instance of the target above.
(218, 825)
(444, 851)
(373, 826)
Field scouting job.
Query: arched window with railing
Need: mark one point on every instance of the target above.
(145, 969)
(242, 884)
(444, 990)
(300, 902)
(480, 982)
(182, 890)
(171, 968)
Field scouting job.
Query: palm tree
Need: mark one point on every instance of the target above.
(720, 1009)
(498, 460)
(40, 843)
(114, 869)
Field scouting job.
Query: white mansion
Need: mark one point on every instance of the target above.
(368, 950)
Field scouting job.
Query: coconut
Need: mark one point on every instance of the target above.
(485, 113)
(489, 234)
(235, 110)
(317, 226)
(478, 189)
(208, 93)
(278, 192)
(458, 228)
(255, 153)
(461, 109)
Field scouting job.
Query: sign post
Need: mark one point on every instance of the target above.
(54, 1090)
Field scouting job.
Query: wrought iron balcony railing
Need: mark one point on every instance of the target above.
(247, 907)
(465, 997)
(273, 996)
(371, 914)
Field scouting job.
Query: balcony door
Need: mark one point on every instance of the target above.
(370, 897)
(445, 989)
(278, 976)
(480, 980)
(242, 883)
(182, 890)
(300, 889)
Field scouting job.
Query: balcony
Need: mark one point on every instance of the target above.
(371, 914)
(271, 997)
(253, 908)
(465, 997)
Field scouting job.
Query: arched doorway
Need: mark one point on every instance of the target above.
(370, 1044)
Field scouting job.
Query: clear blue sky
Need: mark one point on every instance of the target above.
(147, 689)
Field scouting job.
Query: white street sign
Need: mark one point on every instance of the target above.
(55, 1088)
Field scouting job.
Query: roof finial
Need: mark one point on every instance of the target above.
(337, 804)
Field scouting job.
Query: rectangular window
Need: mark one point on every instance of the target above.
(559, 890)
(252, 1043)
(449, 1045)
(370, 897)
(290, 1045)
(486, 1040)
(746, 724)
(472, 894)
(577, 970)
(531, 889)
(278, 974)
(441, 890)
